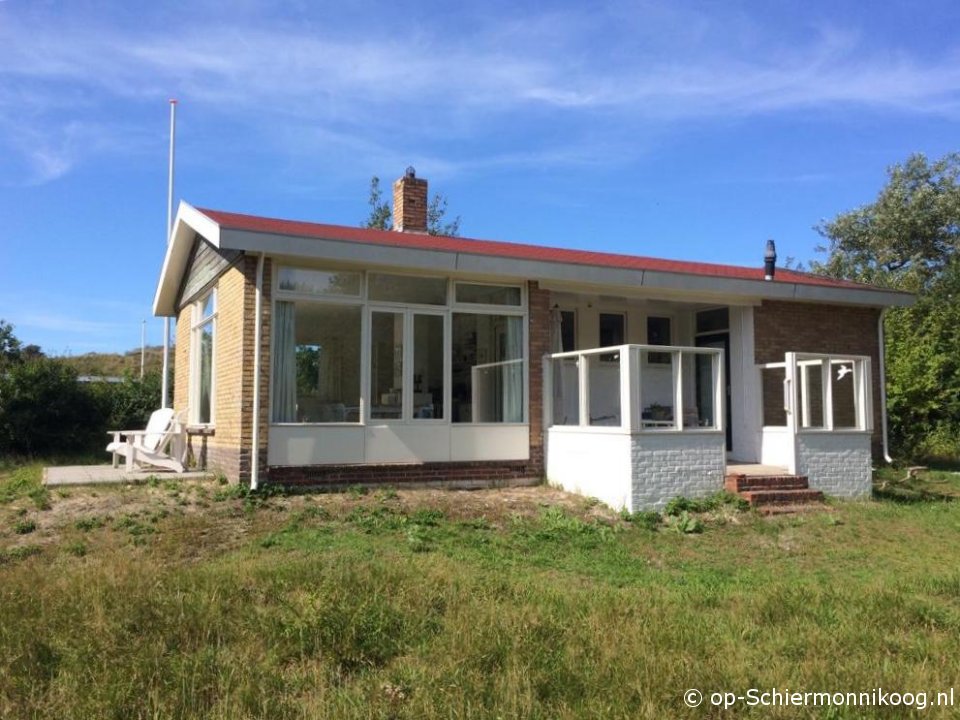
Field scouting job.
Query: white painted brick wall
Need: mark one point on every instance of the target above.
(837, 463)
(591, 463)
(665, 466)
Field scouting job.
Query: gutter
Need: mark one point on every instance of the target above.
(883, 389)
(257, 333)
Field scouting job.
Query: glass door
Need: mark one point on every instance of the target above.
(407, 365)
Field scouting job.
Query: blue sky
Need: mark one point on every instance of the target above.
(690, 130)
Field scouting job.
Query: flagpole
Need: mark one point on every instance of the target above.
(165, 382)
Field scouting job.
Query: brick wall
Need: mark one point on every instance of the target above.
(227, 446)
(781, 327)
(410, 204)
(450, 474)
(539, 331)
(672, 464)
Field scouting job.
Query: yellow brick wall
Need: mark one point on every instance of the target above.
(181, 356)
(228, 447)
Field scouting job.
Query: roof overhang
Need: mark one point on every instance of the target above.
(191, 221)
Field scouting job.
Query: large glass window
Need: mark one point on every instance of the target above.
(407, 289)
(427, 367)
(487, 368)
(386, 365)
(319, 282)
(201, 401)
(658, 333)
(488, 294)
(568, 330)
(316, 362)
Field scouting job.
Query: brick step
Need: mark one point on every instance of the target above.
(758, 498)
(741, 483)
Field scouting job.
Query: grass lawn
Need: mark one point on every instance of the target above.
(192, 601)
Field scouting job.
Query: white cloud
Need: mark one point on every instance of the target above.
(630, 66)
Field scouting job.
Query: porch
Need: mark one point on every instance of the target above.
(636, 425)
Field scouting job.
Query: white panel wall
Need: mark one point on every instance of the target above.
(407, 443)
(746, 413)
(778, 448)
(392, 443)
(591, 463)
(310, 445)
(488, 442)
(670, 464)
(839, 463)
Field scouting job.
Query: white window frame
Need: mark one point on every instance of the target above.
(197, 324)
(408, 310)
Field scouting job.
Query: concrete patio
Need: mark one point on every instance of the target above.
(109, 475)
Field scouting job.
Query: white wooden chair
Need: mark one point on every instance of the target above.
(163, 443)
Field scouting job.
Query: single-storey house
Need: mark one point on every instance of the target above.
(323, 355)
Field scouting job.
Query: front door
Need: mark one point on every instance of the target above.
(720, 340)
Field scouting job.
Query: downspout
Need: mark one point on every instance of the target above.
(883, 389)
(257, 333)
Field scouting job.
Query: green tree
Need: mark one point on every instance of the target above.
(907, 236)
(9, 344)
(380, 215)
(908, 239)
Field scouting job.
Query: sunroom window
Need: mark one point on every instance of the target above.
(316, 362)
(201, 344)
(487, 368)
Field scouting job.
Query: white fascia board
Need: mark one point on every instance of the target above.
(188, 223)
(366, 254)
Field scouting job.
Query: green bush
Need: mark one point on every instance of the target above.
(43, 409)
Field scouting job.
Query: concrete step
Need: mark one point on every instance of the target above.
(741, 483)
(798, 496)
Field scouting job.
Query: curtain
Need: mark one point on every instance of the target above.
(513, 372)
(284, 364)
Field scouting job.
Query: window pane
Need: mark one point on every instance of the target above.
(487, 368)
(568, 330)
(316, 363)
(703, 413)
(844, 395)
(488, 294)
(209, 305)
(774, 414)
(319, 282)
(604, 388)
(810, 393)
(612, 329)
(566, 392)
(205, 399)
(386, 365)
(658, 333)
(713, 320)
(404, 288)
(428, 366)
(656, 392)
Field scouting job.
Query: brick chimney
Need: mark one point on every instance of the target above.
(410, 203)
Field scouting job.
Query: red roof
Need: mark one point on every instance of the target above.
(519, 251)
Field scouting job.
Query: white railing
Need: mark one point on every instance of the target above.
(635, 389)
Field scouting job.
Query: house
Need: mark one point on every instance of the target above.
(312, 354)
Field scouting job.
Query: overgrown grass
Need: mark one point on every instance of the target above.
(407, 606)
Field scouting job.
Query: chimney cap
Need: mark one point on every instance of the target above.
(770, 261)
(410, 172)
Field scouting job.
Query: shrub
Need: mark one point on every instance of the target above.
(43, 409)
